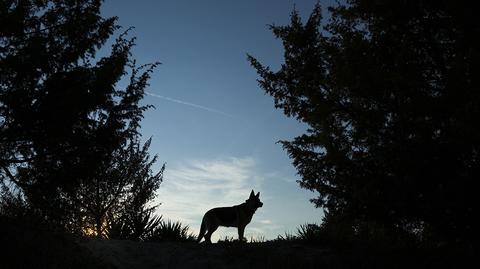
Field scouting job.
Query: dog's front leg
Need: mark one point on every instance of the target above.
(241, 229)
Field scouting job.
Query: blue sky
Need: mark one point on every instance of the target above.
(212, 125)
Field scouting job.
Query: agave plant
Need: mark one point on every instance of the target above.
(309, 232)
(286, 237)
(168, 230)
(137, 226)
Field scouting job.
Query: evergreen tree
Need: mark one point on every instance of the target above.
(390, 92)
(62, 115)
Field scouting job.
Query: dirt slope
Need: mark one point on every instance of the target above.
(128, 254)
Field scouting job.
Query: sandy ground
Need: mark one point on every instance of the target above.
(128, 254)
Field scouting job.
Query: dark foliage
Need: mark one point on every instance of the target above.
(168, 230)
(390, 92)
(133, 225)
(68, 133)
(309, 232)
(114, 203)
(132, 217)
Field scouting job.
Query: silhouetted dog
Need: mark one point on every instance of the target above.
(236, 216)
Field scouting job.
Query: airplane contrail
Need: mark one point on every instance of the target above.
(189, 104)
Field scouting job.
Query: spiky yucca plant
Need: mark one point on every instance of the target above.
(168, 230)
(309, 232)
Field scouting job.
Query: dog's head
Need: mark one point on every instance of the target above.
(254, 200)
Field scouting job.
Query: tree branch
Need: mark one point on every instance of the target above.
(11, 177)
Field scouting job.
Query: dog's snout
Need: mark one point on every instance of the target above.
(261, 204)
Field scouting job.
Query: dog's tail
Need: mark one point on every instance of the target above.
(203, 229)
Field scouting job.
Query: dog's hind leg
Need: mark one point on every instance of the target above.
(211, 229)
(203, 229)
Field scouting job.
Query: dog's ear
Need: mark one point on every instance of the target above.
(258, 195)
(252, 194)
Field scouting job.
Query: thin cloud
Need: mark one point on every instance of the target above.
(265, 221)
(189, 104)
